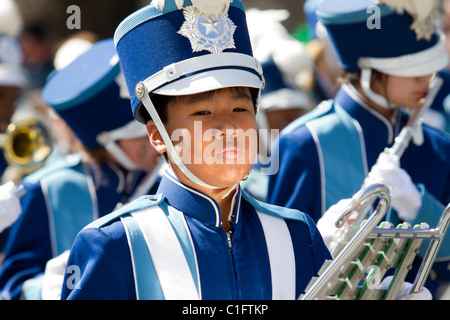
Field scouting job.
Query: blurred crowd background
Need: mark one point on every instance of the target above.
(282, 31)
(103, 16)
(45, 25)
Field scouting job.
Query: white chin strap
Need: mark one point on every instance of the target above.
(109, 141)
(366, 75)
(169, 145)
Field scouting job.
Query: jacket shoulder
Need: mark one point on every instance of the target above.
(324, 108)
(274, 210)
(67, 162)
(141, 203)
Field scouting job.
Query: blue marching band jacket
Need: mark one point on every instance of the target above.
(325, 156)
(172, 246)
(61, 198)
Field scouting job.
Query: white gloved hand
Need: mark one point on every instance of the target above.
(54, 277)
(10, 207)
(405, 198)
(327, 224)
(404, 294)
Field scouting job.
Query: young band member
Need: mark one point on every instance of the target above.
(390, 52)
(194, 83)
(64, 196)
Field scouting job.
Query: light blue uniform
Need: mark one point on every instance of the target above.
(60, 200)
(325, 156)
(271, 252)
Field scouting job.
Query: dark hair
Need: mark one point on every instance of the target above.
(161, 102)
(354, 77)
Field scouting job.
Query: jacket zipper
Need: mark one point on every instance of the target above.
(230, 244)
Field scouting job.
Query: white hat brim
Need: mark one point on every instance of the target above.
(434, 64)
(210, 80)
(12, 77)
(414, 65)
(284, 99)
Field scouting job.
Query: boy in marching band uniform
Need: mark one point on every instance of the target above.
(190, 68)
(390, 54)
(64, 196)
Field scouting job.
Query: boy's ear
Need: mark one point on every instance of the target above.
(155, 138)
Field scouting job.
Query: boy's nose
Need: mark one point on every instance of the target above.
(222, 134)
(225, 123)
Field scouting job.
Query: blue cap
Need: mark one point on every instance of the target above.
(183, 50)
(85, 93)
(277, 92)
(365, 34)
(309, 8)
(272, 75)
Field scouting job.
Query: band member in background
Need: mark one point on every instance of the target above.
(65, 195)
(326, 155)
(14, 80)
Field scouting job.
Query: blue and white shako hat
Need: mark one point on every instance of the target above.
(399, 38)
(176, 47)
(89, 95)
(278, 93)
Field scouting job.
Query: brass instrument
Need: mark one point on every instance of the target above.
(433, 248)
(363, 253)
(26, 145)
(401, 143)
(320, 288)
(355, 274)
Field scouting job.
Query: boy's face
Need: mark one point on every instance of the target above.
(214, 133)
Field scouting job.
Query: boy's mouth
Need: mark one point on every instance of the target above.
(229, 153)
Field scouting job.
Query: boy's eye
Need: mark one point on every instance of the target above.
(201, 113)
(238, 109)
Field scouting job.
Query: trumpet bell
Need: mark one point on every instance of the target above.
(27, 144)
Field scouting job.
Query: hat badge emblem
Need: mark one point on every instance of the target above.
(208, 32)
